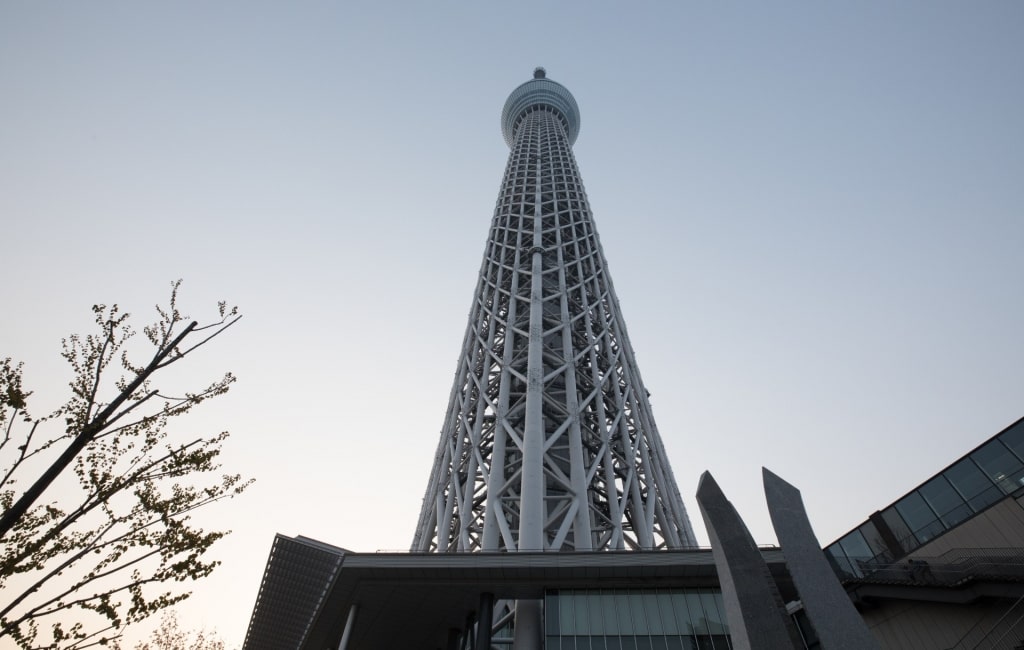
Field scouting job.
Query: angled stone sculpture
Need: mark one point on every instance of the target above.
(753, 605)
(829, 609)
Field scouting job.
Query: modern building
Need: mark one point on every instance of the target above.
(943, 566)
(317, 597)
(551, 517)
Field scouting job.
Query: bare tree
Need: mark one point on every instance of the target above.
(170, 636)
(113, 538)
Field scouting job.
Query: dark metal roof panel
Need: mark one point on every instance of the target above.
(298, 576)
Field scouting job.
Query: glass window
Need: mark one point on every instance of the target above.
(1013, 438)
(723, 621)
(840, 564)
(712, 619)
(946, 501)
(591, 601)
(668, 616)
(611, 617)
(551, 613)
(653, 613)
(696, 613)
(1000, 465)
(973, 485)
(582, 612)
(622, 610)
(877, 546)
(566, 616)
(683, 615)
(920, 517)
(636, 608)
(900, 529)
(856, 548)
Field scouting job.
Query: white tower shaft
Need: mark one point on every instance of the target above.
(549, 443)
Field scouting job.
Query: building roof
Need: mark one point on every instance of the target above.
(410, 600)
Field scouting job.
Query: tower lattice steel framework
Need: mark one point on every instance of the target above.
(549, 443)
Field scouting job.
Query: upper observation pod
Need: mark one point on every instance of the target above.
(540, 92)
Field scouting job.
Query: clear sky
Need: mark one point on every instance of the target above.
(813, 214)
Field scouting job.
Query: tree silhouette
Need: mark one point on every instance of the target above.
(113, 539)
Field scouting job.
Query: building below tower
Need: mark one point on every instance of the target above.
(951, 579)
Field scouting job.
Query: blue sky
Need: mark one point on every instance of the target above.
(813, 215)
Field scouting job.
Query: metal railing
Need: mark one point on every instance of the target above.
(950, 569)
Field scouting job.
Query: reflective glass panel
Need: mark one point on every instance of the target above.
(1000, 465)
(566, 616)
(598, 624)
(900, 529)
(622, 611)
(653, 613)
(874, 540)
(582, 613)
(946, 501)
(683, 615)
(1014, 439)
(855, 547)
(551, 613)
(715, 622)
(696, 613)
(668, 616)
(636, 608)
(723, 628)
(919, 516)
(973, 485)
(656, 619)
(611, 616)
(840, 564)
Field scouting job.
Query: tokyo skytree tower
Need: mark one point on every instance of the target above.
(549, 443)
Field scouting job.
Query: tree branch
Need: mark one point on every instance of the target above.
(90, 430)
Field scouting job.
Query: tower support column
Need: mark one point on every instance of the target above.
(529, 614)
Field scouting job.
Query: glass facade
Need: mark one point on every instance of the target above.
(635, 619)
(975, 482)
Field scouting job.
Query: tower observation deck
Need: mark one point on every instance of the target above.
(549, 443)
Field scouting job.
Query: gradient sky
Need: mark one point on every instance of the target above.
(813, 215)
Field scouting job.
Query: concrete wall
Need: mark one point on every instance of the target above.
(908, 625)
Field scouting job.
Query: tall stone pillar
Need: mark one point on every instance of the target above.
(753, 606)
(828, 607)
